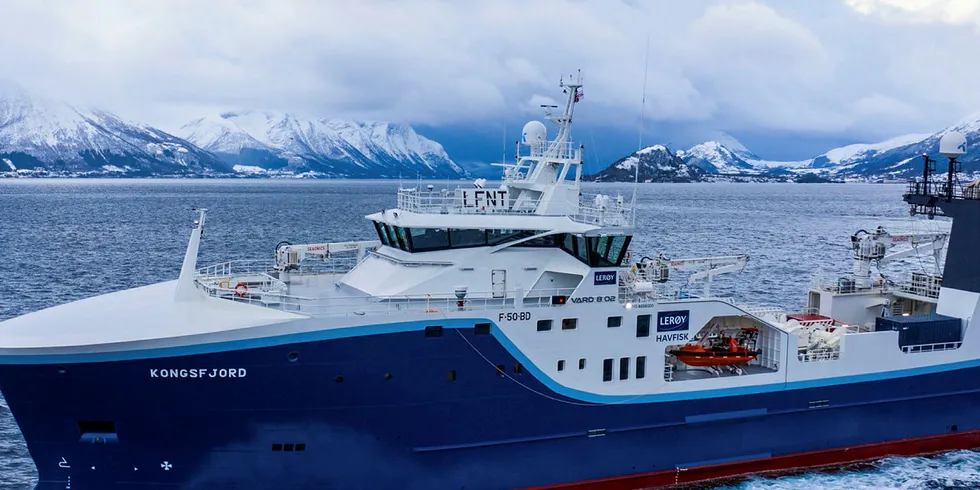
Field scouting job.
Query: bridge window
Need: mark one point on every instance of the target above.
(605, 251)
(427, 239)
(496, 237)
(581, 249)
(403, 242)
(382, 233)
(617, 249)
(541, 241)
(467, 238)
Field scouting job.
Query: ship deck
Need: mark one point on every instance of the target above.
(322, 293)
(692, 372)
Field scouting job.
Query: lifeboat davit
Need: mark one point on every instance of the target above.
(720, 354)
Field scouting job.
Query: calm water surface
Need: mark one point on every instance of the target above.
(64, 240)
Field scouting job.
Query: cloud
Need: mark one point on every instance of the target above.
(761, 69)
(832, 68)
(920, 11)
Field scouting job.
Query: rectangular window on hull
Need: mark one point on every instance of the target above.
(569, 323)
(643, 326)
(96, 427)
(544, 325)
(433, 331)
(624, 368)
(641, 367)
(607, 368)
(614, 321)
(481, 329)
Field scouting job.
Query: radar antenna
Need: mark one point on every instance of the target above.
(923, 197)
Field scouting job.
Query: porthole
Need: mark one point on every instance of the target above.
(293, 356)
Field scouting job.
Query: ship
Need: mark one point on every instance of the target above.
(501, 337)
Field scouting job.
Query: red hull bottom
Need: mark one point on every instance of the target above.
(777, 464)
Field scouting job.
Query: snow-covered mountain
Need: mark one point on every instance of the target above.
(656, 164)
(897, 157)
(714, 157)
(263, 141)
(42, 134)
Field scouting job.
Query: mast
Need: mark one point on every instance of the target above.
(643, 104)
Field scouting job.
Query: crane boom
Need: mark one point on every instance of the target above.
(657, 270)
(288, 256)
(875, 246)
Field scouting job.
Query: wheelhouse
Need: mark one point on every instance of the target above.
(595, 248)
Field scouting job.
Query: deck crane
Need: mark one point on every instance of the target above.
(658, 270)
(871, 247)
(288, 256)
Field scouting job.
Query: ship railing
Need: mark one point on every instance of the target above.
(593, 209)
(917, 188)
(436, 304)
(928, 288)
(943, 346)
(846, 285)
(446, 201)
(239, 283)
(763, 311)
(819, 356)
(336, 264)
(603, 210)
(234, 268)
(565, 150)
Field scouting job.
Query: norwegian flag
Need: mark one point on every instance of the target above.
(579, 96)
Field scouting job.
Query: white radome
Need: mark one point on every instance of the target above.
(952, 144)
(534, 133)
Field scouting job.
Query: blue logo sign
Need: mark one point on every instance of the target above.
(605, 278)
(673, 321)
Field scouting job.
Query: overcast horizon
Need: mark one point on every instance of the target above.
(796, 77)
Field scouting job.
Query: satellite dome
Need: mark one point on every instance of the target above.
(534, 134)
(952, 144)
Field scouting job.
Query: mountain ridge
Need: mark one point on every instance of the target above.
(45, 137)
(265, 140)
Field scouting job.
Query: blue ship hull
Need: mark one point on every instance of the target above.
(401, 410)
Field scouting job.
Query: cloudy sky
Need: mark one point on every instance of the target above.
(786, 77)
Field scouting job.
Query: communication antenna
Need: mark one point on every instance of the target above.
(952, 146)
(503, 143)
(643, 103)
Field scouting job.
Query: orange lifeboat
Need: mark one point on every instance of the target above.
(723, 351)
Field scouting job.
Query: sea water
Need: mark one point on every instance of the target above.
(62, 240)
